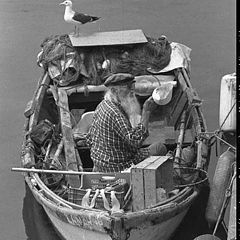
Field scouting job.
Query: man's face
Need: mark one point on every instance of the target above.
(128, 89)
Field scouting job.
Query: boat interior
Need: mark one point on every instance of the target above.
(66, 110)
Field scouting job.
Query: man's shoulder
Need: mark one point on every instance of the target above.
(110, 106)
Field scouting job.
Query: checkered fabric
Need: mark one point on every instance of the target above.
(115, 145)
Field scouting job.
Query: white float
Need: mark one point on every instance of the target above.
(227, 109)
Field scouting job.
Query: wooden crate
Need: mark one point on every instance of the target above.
(152, 173)
(158, 174)
(137, 182)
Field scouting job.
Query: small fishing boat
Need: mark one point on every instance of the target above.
(148, 200)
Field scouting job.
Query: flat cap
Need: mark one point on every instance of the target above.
(119, 79)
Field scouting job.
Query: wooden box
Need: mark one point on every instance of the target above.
(148, 177)
(158, 174)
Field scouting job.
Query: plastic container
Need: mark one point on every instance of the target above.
(162, 95)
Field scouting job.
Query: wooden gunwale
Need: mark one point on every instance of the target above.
(28, 157)
(70, 154)
(130, 219)
(158, 215)
(48, 192)
(71, 215)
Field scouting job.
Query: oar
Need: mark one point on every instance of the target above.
(33, 170)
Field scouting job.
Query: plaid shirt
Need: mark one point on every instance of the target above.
(115, 145)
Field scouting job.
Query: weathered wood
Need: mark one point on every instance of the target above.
(28, 156)
(69, 149)
(152, 214)
(180, 141)
(109, 38)
(47, 151)
(168, 136)
(192, 94)
(137, 183)
(182, 80)
(82, 89)
(176, 113)
(158, 174)
(196, 121)
(57, 154)
(31, 104)
(38, 101)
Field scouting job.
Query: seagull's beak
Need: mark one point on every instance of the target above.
(63, 3)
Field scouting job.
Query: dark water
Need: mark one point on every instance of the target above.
(208, 27)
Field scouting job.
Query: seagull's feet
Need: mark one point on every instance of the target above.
(75, 35)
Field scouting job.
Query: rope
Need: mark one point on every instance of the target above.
(231, 146)
(216, 133)
(215, 136)
(195, 183)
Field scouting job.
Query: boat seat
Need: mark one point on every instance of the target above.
(84, 123)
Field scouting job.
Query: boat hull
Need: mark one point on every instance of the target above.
(71, 225)
(162, 231)
(178, 124)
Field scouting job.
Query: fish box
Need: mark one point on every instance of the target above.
(117, 182)
(149, 179)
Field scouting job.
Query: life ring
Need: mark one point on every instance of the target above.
(219, 185)
(227, 108)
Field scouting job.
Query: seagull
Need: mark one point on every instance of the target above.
(76, 18)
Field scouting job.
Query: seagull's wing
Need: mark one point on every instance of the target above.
(83, 18)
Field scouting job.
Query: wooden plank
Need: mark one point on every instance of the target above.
(69, 149)
(109, 38)
(176, 113)
(167, 136)
(137, 183)
(37, 101)
(33, 111)
(159, 174)
(187, 86)
(182, 80)
(42, 84)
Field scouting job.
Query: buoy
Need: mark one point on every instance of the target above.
(219, 185)
(227, 108)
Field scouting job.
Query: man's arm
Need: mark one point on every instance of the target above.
(148, 106)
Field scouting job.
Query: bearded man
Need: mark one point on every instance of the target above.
(119, 128)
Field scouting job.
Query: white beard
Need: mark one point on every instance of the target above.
(132, 108)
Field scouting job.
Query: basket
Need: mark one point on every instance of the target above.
(119, 183)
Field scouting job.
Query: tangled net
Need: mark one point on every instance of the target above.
(88, 62)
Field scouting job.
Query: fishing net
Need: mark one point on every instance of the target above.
(134, 59)
(60, 59)
(189, 176)
(92, 65)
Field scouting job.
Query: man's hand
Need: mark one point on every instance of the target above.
(149, 105)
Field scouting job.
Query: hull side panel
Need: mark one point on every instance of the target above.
(161, 231)
(70, 232)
